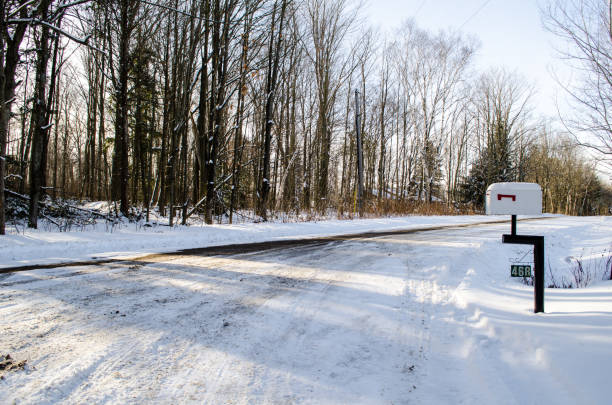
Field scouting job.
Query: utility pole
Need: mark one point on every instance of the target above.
(359, 155)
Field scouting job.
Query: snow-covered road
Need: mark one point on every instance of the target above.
(419, 318)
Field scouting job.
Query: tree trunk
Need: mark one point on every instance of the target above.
(39, 124)
(273, 62)
(120, 171)
(3, 115)
(238, 147)
(9, 59)
(219, 60)
(163, 156)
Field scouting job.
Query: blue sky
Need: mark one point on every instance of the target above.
(510, 32)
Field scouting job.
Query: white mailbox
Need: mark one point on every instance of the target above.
(514, 199)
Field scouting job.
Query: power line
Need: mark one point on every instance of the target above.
(419, 8)
(475, 13)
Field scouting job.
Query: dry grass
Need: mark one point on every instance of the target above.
(385, 208)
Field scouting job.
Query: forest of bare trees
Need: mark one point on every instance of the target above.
(226, 108)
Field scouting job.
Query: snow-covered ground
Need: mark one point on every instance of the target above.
(27, 246)
(431, 317)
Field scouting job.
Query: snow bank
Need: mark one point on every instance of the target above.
(561, 356)
(128, 240)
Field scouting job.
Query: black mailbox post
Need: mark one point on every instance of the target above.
(538, 261)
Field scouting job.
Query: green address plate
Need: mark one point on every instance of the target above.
(520, 270)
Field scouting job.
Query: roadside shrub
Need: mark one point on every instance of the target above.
(581, 272)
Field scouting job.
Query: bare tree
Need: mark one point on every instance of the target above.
(124, 15)
(585, 24)
(11, 36)
(249, 104)
(221, 35)
(432, 67)
(501, 129)
(274, 55)
(569, 183)
(40, 116)
(245, 42)
(329, 24)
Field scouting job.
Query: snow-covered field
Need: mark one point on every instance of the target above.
(431, 317)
